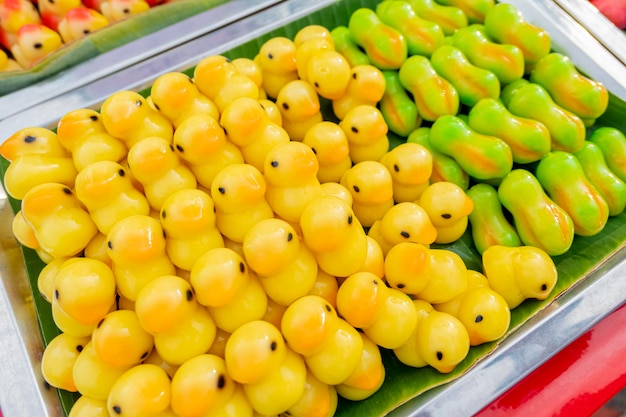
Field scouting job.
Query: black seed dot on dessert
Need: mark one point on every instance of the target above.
(354, 129)
(478, 318)
(544, 287)
(144, 356)
(126, 11)
(86, 31)
(354, 76)
(439, 355)
(374, 282)
(67, 191)
(121, 172)
(356, 188)
(110, 244)
(29, 139)
(270, 56)
(189, 295)
(138, 103)
(273, 345)
(180, 148)
(56, 294)
(400, 285)
(79, 348)
(405, 234)
(38, 45)
(289, 237)
(94, 118)
(242, 267)
(274, 164)
(316, 84)
(117, 409)
(163, 214)
(171, 147)
(314, 151)
(396, 168)
(221, 382)
(222, 190)
(285, 106)
(350, 220)
(328, 308)
(446, 215)
(99, 323)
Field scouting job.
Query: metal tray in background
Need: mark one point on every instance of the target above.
(91, 90)
(22, 391)
(117, 59)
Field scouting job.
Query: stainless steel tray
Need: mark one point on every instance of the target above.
(22, 391)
